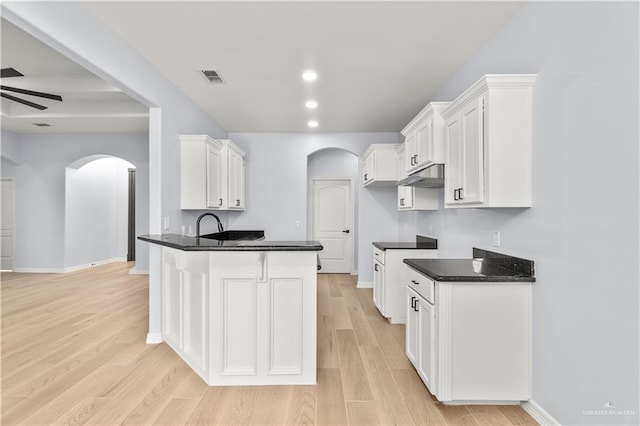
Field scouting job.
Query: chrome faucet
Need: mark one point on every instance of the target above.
(220, 228)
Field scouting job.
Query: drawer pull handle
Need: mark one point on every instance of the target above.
(415, 282)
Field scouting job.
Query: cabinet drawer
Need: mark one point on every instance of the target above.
(423, 285)
(378, 255)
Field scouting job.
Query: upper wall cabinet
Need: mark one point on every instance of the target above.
(410, 197)
(488, 143)
(212, 174)
(424, 138)
(379, 165)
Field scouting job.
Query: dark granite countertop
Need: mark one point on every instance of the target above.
(420, 243)
(186, 243)
(486, 266)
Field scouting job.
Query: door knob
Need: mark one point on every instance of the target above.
(346, 231)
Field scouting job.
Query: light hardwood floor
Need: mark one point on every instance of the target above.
(74, 352)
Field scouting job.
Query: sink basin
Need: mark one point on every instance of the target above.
(234, 235)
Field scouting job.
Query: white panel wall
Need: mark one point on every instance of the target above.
(582, 231)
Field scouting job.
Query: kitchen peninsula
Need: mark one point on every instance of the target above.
(240, 312)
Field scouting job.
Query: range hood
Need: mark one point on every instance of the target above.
(431, 177)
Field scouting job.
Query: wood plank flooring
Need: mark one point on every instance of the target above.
(74, 352)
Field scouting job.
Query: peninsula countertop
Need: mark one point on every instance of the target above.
(187, 243)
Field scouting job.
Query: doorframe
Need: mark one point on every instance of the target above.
(352, 209)
(12, 179)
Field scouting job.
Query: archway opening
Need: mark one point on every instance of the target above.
(99, 221)
(332, 206)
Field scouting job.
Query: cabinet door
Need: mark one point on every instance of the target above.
(367, 168)
(424, 143)
(472, 177)
(171, 300)
(411, 329)
(410, 152)
(239, 326)
(454, 160)
(236, 181)
(195, 308)
(405, 197)
(426, 341)
(214, 178)
(378, 286)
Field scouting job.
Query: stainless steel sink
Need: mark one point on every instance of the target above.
(235, 235)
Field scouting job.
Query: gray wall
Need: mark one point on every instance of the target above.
(40, 193)
(582, 231)
(276, 188)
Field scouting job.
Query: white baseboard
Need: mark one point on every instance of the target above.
(539, 414)
(364, 284)
(154, 338)
(39, 270)
(138, 271)
(70, 269)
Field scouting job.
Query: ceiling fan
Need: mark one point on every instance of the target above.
(11, 72)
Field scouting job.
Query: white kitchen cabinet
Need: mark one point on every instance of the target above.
(236, 179)
(185, 284)
(263, 318)
(472, 344)
(488, 144)
(389, 280)
(409, 197)
(212, 174)
(379, 165)
(242, 318)
(420, 333)
(425, 138)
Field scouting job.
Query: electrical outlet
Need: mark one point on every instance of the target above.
(496, 238)
(297, 224)
(166, 223)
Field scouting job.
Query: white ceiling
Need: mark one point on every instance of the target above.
(90, 105)
(378, 62)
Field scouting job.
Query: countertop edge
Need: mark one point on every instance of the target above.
(263, 246)
(463, 278)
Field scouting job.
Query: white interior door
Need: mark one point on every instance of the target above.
(333, 223)
(6, 225)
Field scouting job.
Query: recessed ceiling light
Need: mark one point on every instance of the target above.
(311, 104)
(309, 75)
(312, 123)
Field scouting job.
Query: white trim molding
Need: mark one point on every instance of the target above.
(539, 414)
(364, 284)
(138, 271)
(154, 338)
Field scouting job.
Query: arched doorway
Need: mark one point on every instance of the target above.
(332, 175)
(99, 211)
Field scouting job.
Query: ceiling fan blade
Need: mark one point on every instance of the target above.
(23, 101)
(10, 72)
(32, 93)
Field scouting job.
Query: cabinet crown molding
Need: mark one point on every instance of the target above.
(488, 82)
(429, 109)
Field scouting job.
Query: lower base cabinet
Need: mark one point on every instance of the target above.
(242, 318)
(473, 344)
